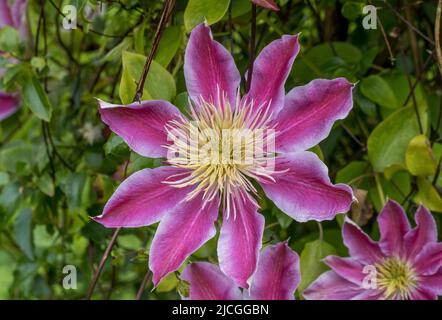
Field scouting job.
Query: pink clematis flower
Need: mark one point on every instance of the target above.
(186, 195)
(268, 4)
(406, 263)
(12, 13)
(277, 277)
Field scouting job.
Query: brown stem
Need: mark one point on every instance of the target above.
(252, 48)
(437, 36)
(97, 273)
(143, 285)
(408, 23)
(165, 15)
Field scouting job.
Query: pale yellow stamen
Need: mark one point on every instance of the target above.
(234, 155)
(396, 278)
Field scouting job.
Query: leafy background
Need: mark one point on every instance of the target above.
(59, 164)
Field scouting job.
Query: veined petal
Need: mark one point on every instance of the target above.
(393, 225)
(9, 104)
(18, 16)
(207, 282)
(347, 268)
(180, 233)
(359, 244)
(269, 4)
(5, 14)
(432, 283)
(424, 233)
(423, 294)
(141, 125)
(240, 240)
(209, 68)
(429, 260)
(270, 71)
(330, 286)
(277, 275)
(310, 111)
(303, 189)
(142, 199)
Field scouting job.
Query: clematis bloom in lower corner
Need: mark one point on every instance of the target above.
(405, 264)
(277, 277)
(187, 194)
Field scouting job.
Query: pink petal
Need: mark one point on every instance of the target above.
(5, 14)
(269, 4)
(425, 232)
(207, 282)
(209, 67)
(240, 240)
(142, 199)
(359, 244)
(310, 111)
(429, 260)
(141, 125)
(432, 283)
(18, 15)
(270, 72)
(277, 275)
(180, 233)
(9, 104)
(330, 286)
(393, 225)
(347, 268)
(303, 190)
(423, 294)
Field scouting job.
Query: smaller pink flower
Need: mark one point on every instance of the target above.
(277, 277)
(406, 263)
(268, 4)
(12, 13)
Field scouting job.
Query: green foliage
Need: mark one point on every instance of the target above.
(198, 11)
(311, 261)
(388, 142)
(59, 164)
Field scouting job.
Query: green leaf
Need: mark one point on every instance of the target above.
(7, 266)
(127, 87)
(23, 232)
(311, 265)
(352, 172)
(419, 157)
(159, 85)
(130, 242)
(428, 195)
(352, 10)
(4, 178)
(168, 283)
(169, 44)
(199, 10)
(9, 39)
(324, 59)
(115, 145)
(35, 98)
(46, 185)
(388, 142)
(378, 90)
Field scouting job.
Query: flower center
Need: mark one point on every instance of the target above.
(396, 278)
(222, 148)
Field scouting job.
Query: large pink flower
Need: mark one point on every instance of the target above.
(12, 13)
(406, 263)
(277, 277)
(186, 195)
